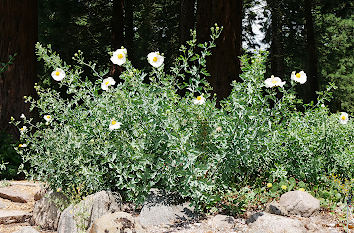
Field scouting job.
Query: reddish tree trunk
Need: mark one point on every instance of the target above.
(18, 23)
(129, 25)
(224, 64)
(312, 62)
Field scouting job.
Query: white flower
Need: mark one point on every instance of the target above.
(273, 82)
(23, 116)
(58, 74)
(119, 56)
(48, 118)
(23, 129)
(199, 100)
(343, 118)
(299, 77)
(107, 82)
(22, 145)
(114, 124)
(155, 59)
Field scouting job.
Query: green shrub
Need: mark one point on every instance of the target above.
(10, 160)
(133, 136)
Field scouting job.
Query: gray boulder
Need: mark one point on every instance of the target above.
(80, 217)
(264, 222)
(159, 209)
(299, 203)
(47, 211)
(27, 230)
(116, 222)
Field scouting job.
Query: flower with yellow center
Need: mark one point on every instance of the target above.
(119, 56)
(58, 74)
(269, 185)
(23, 129)
(273, 82)
(343, 118)
(199, 100)
(299, 77)
(114, 124)
(107, 82)
(48, 118)
(283, 187)
(22, 145)
(155, 59)
(302, 189)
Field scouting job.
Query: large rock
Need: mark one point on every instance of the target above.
(13, 216)
(162, 210)
(14, 194)
(27, 230)
(116, 222)
(299, 203)
(264, 222)
(47, 210)
(81, 216)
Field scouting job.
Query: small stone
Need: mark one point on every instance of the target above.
(13, 216)
(159, 209)
(27, 230)
(299, 203)
(87, 211)
(276, 208)
(265, 222)
(116, 222)
(47, 211)
(12, 193)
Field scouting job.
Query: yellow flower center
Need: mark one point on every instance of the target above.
(20, 145)
(48, 117)
(57, 73)
(154, 59)
(106, 83)
(343, 118)
(274, 81)
(283, 187)
(199, 98)
(114, 122)
(22, 129)
(269, 185)
(120, 56)
(298, 75)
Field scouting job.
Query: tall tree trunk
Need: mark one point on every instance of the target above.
(117, 32)
(187, 19)
(276, 55)
(129, 24)
(312, 60)
(224, 64)
(19, 29)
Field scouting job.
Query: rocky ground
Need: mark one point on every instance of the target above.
(17, 200)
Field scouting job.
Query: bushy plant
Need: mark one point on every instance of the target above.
(133, 136)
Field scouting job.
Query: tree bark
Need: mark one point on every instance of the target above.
(129, 32)
(276, 55)
(224, 64)
(312, 60)
(187, 19)
(117, 33)
(19, 29)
